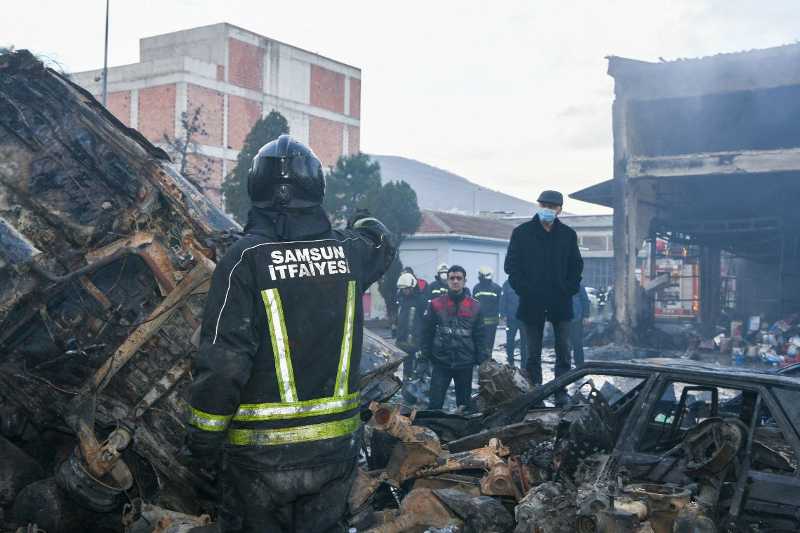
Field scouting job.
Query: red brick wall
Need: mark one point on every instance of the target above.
(245, 64)
(242, 114)
(327, 89)
(157, 112)
(325, 138)
(211, 114)
(355, 98)
(353, 139)
(119, 103)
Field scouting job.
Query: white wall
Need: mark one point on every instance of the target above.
(423, 255)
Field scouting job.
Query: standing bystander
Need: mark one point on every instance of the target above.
(453, 339)
(544, 266)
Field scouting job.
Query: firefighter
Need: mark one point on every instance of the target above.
(438, 286)
(488, 293)
(410, 310)
(453, 339)
(275, 394)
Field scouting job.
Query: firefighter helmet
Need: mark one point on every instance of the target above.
(485, 272)
(406, 281)
(286, 173)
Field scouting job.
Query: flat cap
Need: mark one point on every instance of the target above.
(551, 197)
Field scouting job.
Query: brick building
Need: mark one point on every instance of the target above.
(236, 76)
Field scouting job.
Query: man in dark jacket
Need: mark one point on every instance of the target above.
(581, 309)
(411, 306)
(488, 294)
(453, 339)
(544, 266)
(275, 386)
(509, 303)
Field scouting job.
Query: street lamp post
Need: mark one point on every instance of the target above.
(105, 61)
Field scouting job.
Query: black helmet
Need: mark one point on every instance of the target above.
(286, 173)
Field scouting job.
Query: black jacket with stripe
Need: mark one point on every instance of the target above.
(488, 293)
(276, 375)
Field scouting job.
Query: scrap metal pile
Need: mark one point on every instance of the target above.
(105, 258)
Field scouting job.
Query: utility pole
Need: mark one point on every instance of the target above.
(105, 61)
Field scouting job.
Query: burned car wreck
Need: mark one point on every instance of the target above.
(659, 445)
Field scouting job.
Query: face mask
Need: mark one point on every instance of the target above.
(547, 215)
(443, 276)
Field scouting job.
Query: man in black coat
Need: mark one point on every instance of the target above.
(509, 303)
(544, 267)
(453, 339)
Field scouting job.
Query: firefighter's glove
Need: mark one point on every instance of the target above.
(358, 215)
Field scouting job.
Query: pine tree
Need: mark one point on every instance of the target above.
(234, 188)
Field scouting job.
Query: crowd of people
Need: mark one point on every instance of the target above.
(448, 330)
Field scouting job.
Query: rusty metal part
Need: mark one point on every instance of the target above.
(162, 386)
(466, 484)
(693, 519)
(364, 486)
(160, 520)
(96, 293)
(418, 447)
(479, 459)
(712, 445)
(419, 508)
(91, 267)
(499, 482)
(499, 384)
(664, 502)
(197, 276)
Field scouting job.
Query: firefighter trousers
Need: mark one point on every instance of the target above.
(295, 500)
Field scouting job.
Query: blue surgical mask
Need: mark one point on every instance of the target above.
(547, 215)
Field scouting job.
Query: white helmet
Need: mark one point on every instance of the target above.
(406, 281)
(485, 272)
(442, 268)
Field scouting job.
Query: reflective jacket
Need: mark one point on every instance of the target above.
(436, 288)
(278, 363)
(452, 333)
(488, 293)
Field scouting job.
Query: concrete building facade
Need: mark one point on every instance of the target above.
(234, 76)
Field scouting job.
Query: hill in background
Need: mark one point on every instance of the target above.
(441, 190)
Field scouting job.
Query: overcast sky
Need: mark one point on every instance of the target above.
(513, 95)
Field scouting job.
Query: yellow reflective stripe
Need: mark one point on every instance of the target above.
(343, 376)
(280, 344)
(207, 421)
(271, 437)
(484, 293)
(255, 412)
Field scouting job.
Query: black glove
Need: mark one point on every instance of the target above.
(358, 215)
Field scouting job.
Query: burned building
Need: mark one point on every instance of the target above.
(707, 153)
